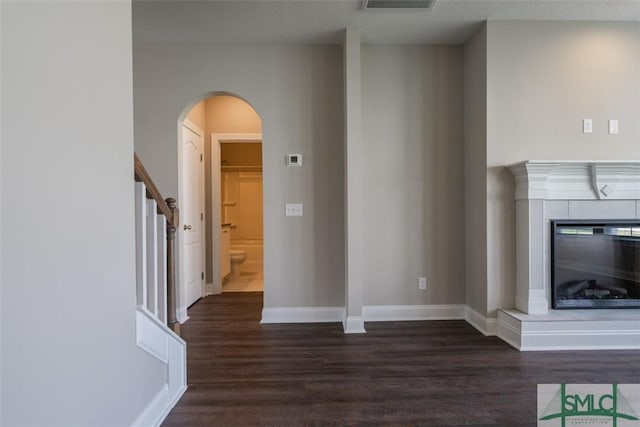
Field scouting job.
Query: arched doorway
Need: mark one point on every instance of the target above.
(230, 196)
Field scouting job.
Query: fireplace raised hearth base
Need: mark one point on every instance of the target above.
(605, 329)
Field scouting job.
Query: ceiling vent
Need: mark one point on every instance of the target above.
(398, 4)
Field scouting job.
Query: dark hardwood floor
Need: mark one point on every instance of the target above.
(433, 373)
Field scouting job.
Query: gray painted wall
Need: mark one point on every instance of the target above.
(1, 282)
(543, 78)
(297, 91)
(528, 85)
(475, 158)
(413, 171)
(69, 356)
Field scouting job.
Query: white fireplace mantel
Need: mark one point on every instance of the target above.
(577, 180)
(547, 190)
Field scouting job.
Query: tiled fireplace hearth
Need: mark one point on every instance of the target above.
(566, 190)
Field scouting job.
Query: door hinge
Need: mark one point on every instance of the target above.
(202, 275)
(200, 157)
(201, 217)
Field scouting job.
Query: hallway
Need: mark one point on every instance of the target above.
(242, 373)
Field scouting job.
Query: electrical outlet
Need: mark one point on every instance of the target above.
(422, 283)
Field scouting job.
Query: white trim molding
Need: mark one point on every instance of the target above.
(159, 341)
(526, 333)
(208, 289)
(151, 335)
(181, 315)
(302, 314)
(382, 313)
(157, 410)
(486, 325)
(353, 325)
(236, 137)
(193, 127)
(151, 414)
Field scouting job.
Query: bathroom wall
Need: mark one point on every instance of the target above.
(242, 184)
(227, 114)
(413, 161)
(245, 190)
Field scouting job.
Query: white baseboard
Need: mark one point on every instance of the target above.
(181, 315)
(486, 325)
(157, 410)
(383, 313)
(152, 413)
(353, 325)
(370, 314)
(302, 314)
(212, 289)
(208, 289)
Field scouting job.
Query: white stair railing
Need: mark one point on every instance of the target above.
(156, 221)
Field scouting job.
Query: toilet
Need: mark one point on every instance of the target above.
(237, 258)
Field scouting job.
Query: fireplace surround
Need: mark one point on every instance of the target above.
(597, 191)
(563, 190)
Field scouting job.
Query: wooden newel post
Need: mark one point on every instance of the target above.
(172, 225)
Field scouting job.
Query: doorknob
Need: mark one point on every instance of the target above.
(187, 227)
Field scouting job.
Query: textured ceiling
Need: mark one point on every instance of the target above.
(322, 21)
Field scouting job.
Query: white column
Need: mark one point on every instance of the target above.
(530, 254)
(353, 321)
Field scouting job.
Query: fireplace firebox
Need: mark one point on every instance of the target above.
(595, 264)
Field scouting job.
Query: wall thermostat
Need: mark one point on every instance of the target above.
(294, 159)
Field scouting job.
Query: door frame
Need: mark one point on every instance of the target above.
(216, 203)
(181, 309)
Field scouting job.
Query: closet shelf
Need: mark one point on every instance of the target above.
(241, 168)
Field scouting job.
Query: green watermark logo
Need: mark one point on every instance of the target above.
(564, 405)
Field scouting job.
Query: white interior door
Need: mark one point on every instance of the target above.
(192, 216)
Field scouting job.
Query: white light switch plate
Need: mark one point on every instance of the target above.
(587, 126)
(293, 209)
(613, 126)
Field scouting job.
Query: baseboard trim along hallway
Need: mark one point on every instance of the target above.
(383, 313)
(379, 313)
(302, 314)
